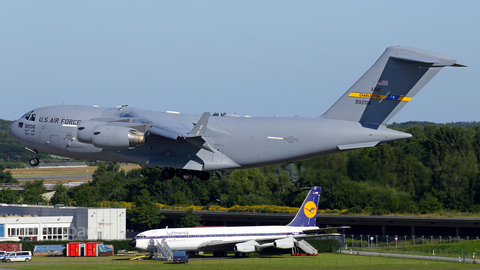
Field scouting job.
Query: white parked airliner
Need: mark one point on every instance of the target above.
(241, 239)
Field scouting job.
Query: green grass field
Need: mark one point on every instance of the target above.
(325, 260)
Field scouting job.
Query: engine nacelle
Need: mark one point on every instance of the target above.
(116, 137)
(283, 243)
(246, 247)
(85, 131)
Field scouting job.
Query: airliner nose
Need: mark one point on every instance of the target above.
(132, 242)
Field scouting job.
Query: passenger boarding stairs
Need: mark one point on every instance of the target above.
(160, 248)
(306, 247)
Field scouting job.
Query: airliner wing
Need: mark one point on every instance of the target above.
(263, 242)
(314, 231)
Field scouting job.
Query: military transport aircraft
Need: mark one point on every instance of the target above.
(241, 239)
(192, 145)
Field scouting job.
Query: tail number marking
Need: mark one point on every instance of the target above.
(362, 102)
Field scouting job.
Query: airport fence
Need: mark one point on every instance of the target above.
(464, 247)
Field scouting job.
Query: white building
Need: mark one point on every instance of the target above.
(62, 223)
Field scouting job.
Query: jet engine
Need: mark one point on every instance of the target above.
(85, 131)
(246, 247)
(284, 243)
(116, 137)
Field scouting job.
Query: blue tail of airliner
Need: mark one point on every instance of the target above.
(307, 214)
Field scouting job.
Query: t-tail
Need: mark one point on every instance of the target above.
(307, 214)
(388, 85)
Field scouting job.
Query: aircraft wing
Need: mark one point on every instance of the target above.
(315, 231)
(171, 125)
(265, 242)
(218, 245)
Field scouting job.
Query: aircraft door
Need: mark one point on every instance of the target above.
(218, 155)
(54, 143)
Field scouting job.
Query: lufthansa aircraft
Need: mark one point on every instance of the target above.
(240, 239)
(192, 145)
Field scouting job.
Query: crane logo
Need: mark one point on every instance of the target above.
(310, 209)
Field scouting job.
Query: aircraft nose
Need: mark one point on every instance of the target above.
(132, 242)
(13, 129)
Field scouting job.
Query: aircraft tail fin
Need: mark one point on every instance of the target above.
(388, 85)
(307, 214)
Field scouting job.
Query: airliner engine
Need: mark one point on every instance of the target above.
(246, 247)
(284, 243)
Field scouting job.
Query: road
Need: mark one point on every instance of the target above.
(56, 177)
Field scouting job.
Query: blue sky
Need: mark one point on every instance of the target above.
(257, 58)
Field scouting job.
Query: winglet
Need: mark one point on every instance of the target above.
(195, 136)
(200, 126)
(307, 214)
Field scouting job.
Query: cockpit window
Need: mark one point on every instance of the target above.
(29, 117)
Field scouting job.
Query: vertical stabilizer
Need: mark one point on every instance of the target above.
(307, 214)
(388, 85)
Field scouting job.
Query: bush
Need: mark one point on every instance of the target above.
(324, 245)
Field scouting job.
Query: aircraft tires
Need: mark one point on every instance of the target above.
(241, 255)
(34, 162)
(185, 175)
(204, 176)
(168, 173)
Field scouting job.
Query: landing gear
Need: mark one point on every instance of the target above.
(187, 175)
(168, 173)
(220, 254)
(241, 255)
(204, 176)
(34, 162)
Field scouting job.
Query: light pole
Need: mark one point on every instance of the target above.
(422, 239)
(413, 236)
(450, 237)
(387, 240)
(405, 240)
(361, 239)
(431, 239)
(352, 239)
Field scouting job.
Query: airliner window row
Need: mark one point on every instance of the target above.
(214, 235)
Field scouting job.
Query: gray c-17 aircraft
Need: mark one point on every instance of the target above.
(192, 145)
